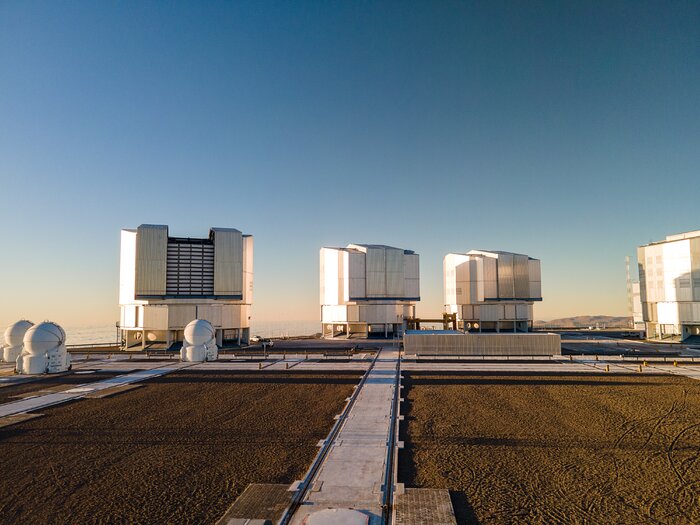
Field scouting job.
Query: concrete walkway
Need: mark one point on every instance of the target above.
(46, 400)
(353, 472)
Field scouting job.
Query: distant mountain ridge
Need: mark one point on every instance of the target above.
(610, 321)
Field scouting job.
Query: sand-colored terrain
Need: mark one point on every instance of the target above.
(178, 450)
(556, 449)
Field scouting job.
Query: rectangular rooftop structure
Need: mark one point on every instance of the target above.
(491, 290)
(450, 343)
(669, 286)
(166, 282)
(367, 288)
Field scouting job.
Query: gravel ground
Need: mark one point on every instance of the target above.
(178, 450)
(556, 448)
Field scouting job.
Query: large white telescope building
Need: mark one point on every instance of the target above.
(166, 282)
(669, 279)
(367, 289)
(491, 290)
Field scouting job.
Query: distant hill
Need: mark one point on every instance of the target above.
(609, 321)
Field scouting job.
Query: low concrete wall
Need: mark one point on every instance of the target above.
(481, 344)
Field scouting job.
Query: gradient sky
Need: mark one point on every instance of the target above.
(569, 131)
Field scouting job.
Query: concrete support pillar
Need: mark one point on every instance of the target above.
(386, 330)
(238, 334)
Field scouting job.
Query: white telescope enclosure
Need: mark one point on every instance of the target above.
(669, 282)
(166, 282)
(367, 289)
(199, 342)
(13, 340)
(491, 291)
(43, 350)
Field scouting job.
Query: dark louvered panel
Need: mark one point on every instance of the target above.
(190, 269)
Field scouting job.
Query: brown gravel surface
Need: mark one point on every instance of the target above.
(178, 450)
(50, 382)
(586, 448)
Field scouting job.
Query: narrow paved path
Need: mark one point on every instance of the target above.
(352, 474)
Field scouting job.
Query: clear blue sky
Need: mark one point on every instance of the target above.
(568, 131)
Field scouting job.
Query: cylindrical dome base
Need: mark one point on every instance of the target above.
(11, 353)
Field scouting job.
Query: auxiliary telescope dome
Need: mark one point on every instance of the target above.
(14, 335)
(43, 337)
(199, 332)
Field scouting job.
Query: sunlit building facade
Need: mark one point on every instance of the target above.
(367, 289)
(669, 278)
(166, 282)
(491, 290)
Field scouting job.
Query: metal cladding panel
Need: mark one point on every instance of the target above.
(155, 317)
(482, 344)
(381, 313)
(356, 274)
(343, 279)
(506, 288)
(463, 275)
(322, 276)
(467, 312)
(376, 272)
(353, 313)
(127, 267)
(248, 269)
(181, 314)
(411, 266)
(509, 311)
(491, 312)
(689, 312)
(356, 289)
(128, 317)
(412, 288)
(448, 279)
(534, 271)
(211, 313)
(489, 270)
(334, 314)
(395, 284)
(668, 313)
(394, 260)
(232, 316)
(330, 276)
(695, 267)
(151, 260)
(356, 260)
(535, 290)
(522, 311)
(521, 276)
(228, 262)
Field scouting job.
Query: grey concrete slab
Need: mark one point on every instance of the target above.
(46, 400)
(353, 472)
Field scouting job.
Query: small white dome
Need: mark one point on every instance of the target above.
(199, 332)
(337, 517)
(42, 337)
(14, 335)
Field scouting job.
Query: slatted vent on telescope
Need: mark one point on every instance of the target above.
(190, 270)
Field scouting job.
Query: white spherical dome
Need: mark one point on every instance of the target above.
(14, 335)
(43, 337)
(199, 332)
